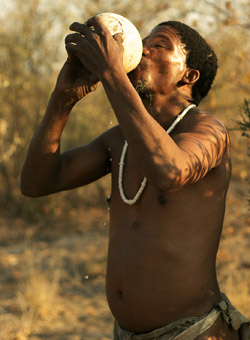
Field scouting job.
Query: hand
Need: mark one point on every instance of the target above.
(75, 81)
(95, 48)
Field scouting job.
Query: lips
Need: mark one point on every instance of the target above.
(143, 66)
(136, 75)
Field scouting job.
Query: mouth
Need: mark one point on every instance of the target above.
(140, 83)
(142, 66)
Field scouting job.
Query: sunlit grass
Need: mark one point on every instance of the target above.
(237, 289)
(37, 298)
(15, 327)
(39, 290)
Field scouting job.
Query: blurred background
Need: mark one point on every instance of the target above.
(53, 249)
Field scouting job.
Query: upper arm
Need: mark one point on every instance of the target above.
(202, 148)
(82, 165)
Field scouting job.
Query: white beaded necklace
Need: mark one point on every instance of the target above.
(122, 164)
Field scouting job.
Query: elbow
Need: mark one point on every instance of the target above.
(28, 191)
(170, 176)
(160, 181)
(31, 190)
(166, 185)
(162, 185)
(29, 185)
(164, 182)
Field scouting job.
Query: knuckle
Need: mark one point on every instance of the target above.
(73, 25)
(68, 38)
(91, 20)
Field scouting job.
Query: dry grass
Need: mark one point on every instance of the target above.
(14, 327)
(37, 298)
(39, 293)
(237, 288)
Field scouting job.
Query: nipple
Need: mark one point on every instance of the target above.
(162, 198)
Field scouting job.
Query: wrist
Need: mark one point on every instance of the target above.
(112, 75)
(64, 100)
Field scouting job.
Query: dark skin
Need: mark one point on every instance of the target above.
(162, 250)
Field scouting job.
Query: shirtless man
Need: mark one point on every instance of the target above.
(161, 277)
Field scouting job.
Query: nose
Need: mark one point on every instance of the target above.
(145, 51)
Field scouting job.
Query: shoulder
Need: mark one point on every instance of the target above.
(202, 125)
(204, 137)
(200, 119)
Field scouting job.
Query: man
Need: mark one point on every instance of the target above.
(169, 181)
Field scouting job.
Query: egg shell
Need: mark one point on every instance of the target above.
(132, 42)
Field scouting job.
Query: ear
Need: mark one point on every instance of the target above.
(190, 76)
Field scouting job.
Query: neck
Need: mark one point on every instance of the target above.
(165, 112)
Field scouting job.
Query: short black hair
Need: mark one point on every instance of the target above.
(200, 57)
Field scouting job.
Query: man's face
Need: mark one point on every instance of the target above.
(162, 65)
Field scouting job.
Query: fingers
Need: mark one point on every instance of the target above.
(72, 49)
(98, 25)
(72, 43)
(93, 45)
(93, 25)
(83, 29)
(73, 38)
(93, 78)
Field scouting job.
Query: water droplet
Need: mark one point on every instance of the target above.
(86, 277)
(110, 159)
(110, 121)
(109, 149)
(104, 223)
(98, 243)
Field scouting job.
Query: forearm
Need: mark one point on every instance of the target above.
(154, 149)
(43, 156)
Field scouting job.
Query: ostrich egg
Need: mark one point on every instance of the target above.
(132, 42)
